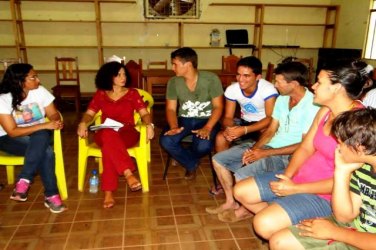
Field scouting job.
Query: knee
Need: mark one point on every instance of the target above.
(204, 147)
(275, 242)
(263, 225)
(41, 136)
(217, 167)
(241, 192)
(165, 141)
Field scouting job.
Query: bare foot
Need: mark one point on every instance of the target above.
(109, 201)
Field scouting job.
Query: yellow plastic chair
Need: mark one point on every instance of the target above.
(140, 152)
(10, 161)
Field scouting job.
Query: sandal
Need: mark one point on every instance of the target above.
(109, 201)
(133, 183)
(108, 204)
(216, 190)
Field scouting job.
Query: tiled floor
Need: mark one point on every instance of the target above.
(171, 216)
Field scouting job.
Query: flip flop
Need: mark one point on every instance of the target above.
(108, 204)
(230, 217)
(133, 183)
(216, 190)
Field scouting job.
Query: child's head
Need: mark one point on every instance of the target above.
(357, 130)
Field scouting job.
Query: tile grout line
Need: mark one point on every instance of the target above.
(72, 223)
(23, 218)
(124, 218)
(171, 203)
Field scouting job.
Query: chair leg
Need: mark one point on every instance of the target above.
(10, 174)
(166, 167)
(214, 174)
(82, 162)
(142, 165)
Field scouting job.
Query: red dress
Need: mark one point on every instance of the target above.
(113, 143)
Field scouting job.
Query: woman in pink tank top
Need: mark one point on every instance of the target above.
(303, 190)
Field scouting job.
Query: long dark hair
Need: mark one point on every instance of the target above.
(13, 82)
(349, 76)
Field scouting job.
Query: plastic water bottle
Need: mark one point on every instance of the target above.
(94, 182)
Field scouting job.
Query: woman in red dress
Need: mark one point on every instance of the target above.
(118, 103)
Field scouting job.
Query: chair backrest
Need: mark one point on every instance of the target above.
(8, 61)
(269, 72)
(135, 71)
(67, 72)
(157, 64)
(229, 63)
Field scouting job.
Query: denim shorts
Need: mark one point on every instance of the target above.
(297, 206)
(231, 159)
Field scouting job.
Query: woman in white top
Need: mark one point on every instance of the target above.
(24, 131)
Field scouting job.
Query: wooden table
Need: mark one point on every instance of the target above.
(161, 76)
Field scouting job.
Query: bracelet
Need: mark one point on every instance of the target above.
(245, 130)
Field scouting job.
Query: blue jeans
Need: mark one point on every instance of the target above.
(188, 157)
(39, 157)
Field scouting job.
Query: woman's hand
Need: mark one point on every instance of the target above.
(82, 130)
(150, 131)
(52, 125)
(283, 187)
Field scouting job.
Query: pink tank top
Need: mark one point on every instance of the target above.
(320, 165)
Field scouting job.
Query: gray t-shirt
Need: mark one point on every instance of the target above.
(196, 104)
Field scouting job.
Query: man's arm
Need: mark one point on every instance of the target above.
(268, 134)
(258, 152)
(171, 114)
(172, 119)
(228, 117)
(217, 103)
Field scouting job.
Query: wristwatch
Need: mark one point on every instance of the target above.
(150, 124)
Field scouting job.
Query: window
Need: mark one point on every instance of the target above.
(370, 50)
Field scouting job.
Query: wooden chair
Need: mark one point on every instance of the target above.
(135, 71)
(8, 61)
(157, 64)
(67, 80)
(159, 89)
(10, 161)
(229, 63)
(269, 72)
(141, 152)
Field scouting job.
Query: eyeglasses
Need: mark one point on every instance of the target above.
(33, 78)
